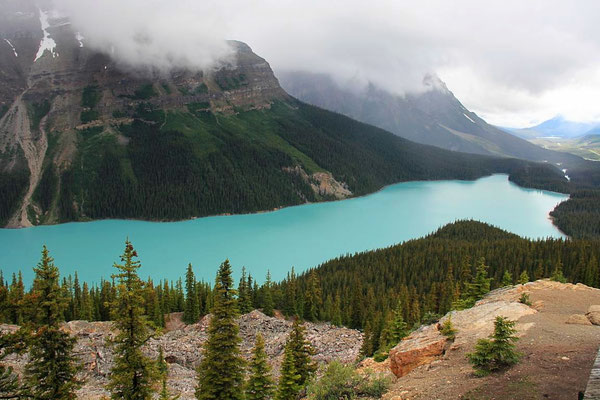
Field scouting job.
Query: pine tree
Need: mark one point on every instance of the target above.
(366, 349)
(313, 300)
(557, 274)
(499, 351)
(133, 374)
(50, 372)
(267, 296)
(524, 277)
(289, 379)
(290, 307)
(302, 352)
(220, 375)
(397, 329)
(260, 384)
(476, 289)
(336, 315)
(507, 279)
(244, 295)
(191, 313)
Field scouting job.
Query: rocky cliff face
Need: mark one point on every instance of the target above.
(182, 349)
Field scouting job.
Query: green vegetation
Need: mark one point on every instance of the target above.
(220, 373)
(343, 382)
(145, 92)
(448, 329)
(37, 111)
(297, 368)
(260, 384)
(89, 116)
(385, 292)
(50, 371)
(178, 165)
(579, 217)
(90, 97)
(12, 186)
(524, 299)
(498, 352)
(133, 374)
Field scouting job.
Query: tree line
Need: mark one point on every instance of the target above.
(51, 370)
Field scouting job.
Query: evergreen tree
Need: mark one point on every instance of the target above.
(220, 375)
(10, 386)
(50, 371)
(260, 384)
(366, 349)
(289, 379)
(397, 328)
(499, 351)
(336, 315)
(312, 300)
(244, 294)
(267, 296)
(477, 288)
(290, 307)
(302, 353)
(507, 279)
(133, 374)
(524, 277)
(557, 274)
(191, 313)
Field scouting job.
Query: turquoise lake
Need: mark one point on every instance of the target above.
(301, 236)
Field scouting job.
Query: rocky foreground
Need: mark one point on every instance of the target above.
(182, 348)
(559, 338)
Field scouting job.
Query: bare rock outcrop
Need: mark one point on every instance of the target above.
(593, 314)
(578, 319)
(182, 346)
(427, 343)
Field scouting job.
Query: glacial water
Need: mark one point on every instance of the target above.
(301, 236)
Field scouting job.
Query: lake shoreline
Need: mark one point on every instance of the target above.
(285, 207)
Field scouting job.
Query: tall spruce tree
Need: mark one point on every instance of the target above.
(313, 297)
(220, 374)
(302, 352)
(260, 383)
(267, 296)
(244, 293)
(191, 313)
(133, 374)
(289, 379)
(50, 372)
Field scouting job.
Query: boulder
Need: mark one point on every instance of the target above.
(421, 347)
(593, 314)
(578, 319)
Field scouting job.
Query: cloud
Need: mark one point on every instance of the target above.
(510, 60)
(158, 33)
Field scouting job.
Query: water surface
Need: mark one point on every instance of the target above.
(301, 236)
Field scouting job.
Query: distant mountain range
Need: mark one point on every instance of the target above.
(435, 117)
(558, 127)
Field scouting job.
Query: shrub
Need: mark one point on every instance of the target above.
(524, 278)
(342, 382)
(524, 299)
(448, 329)
(498, 352)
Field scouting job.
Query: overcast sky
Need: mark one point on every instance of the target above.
(515, 63)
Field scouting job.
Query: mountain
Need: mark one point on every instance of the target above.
(83, 137)
(557, 127)
(434, 117)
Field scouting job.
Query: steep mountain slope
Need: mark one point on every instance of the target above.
(434, 117)
(83, 137)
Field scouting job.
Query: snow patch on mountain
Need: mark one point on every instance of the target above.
(467, 117)
(47, 43)
(12, 47)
